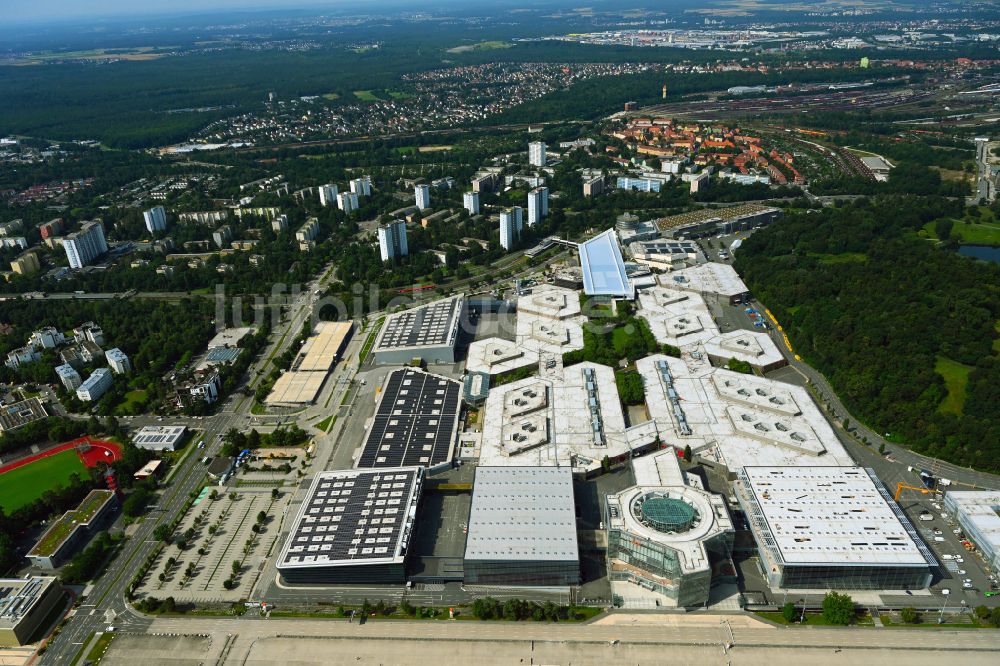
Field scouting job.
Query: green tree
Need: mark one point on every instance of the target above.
(908, 615)
(162, 533)
(688, 455)
(838, 608)
(788, 612)
(943, 227)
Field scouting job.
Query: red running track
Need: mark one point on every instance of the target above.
(91, 458)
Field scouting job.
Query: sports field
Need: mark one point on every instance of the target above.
(26, 484)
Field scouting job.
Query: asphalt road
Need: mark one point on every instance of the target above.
(108, 593)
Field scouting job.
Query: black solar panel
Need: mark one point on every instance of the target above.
(351, 516)
(427, 325)
(415, 421)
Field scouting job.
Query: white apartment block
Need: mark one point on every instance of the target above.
(392, 240)
(470, 201)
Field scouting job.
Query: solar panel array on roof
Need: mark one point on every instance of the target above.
(433, 324)
(354, 517)
(415, 421)
(222, 354)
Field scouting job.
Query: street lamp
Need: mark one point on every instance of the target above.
(944, 600)
(802, 618)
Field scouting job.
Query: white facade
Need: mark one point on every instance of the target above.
(536, 153)
(347, 201)
(156, 219)
(422, 196)
(23, 355)
(538, 205)
(470, 200)
(85, 245)
(362, 186)
(118, 361)
(47, 338)
(392, 240)
(69, 377)
(508, 230)
(327, 195)
(96, 385)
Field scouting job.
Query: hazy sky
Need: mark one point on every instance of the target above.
(40, 10)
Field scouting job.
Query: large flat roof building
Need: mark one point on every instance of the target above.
(831, 528)
(19, 414)
(428, 332)
(295, 388)
(714, 281)
(710, 221)
(522, 528)
(72, 530)
(734, 419)
(353, 527)
(321, 351)
(569, 418)
(603, 267)
(415, 422)
(978, 512)
(668, 538)
(159, 438)
(24, 604)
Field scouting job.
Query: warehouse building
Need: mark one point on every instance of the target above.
(310, 368)
(978, 512)
(415, 422)
(160, 438)
(25, 603)
(712, 221)
(571, 417)
(836, 528)
(427, 332)
(669, 540)
(713, 281)
(522, 528)
(72, 530)
(353, 527)
(736, 420)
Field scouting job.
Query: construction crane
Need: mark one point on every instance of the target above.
(900, 487)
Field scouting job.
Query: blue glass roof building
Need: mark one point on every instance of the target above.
(603, 267)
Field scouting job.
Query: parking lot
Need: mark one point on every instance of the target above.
(221, 531)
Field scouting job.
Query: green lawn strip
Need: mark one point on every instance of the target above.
(100, 647)
(325, 424)
(366, 96)
(370, 340)
(23, 485)
(956, 379)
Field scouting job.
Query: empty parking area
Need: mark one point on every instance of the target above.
(218, 549)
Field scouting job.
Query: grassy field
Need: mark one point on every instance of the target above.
(330, 96)
(366, 96)
(134, 400)
(493, 45)
(956, 378)
(975, 234)
(26, 484)
(399, 95)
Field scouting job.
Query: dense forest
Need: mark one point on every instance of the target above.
(905, 330)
